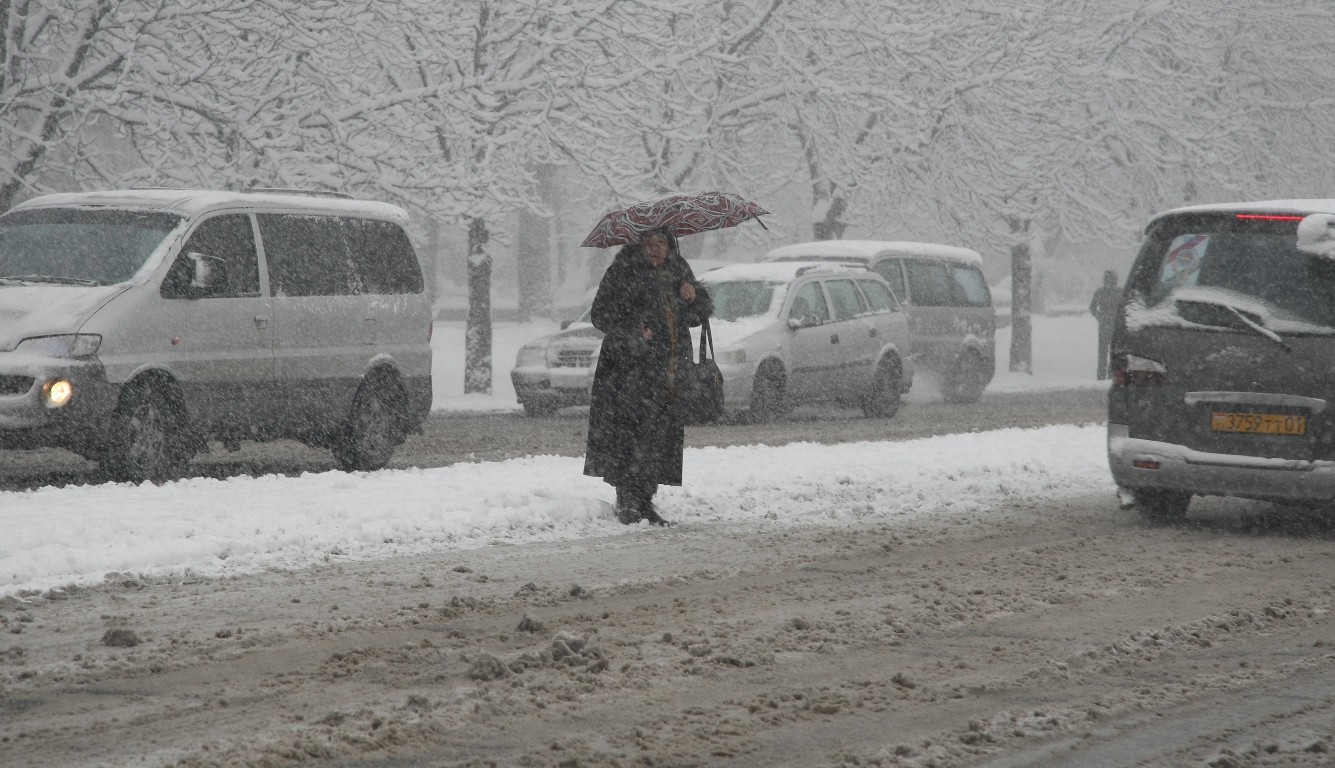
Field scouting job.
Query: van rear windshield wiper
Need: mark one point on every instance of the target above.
(49, 279)
(1226, 315)
(1258, 329)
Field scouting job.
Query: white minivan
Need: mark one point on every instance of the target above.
(135, 326)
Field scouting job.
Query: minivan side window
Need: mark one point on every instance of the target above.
(890, 270)
(845, 298)
(877, 295)
(385, 257)
(809, 300)
(230, 238)
(308, 256)
(972, 283)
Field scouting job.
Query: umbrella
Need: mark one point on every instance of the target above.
(679, 214)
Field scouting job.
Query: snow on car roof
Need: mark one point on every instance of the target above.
(1315, 205)
(866, 250)
(772, 272)
(192, 201)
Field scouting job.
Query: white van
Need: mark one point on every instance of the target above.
(137, 325)
(942, 289)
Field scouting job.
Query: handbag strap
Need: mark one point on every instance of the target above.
(706, 336)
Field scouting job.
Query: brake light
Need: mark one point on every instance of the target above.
(1145, 464)
(1271, 216)
(1136, 371)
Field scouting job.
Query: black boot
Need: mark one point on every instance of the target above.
(647, 510)
(628, 512)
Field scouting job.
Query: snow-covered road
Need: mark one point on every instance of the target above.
(205, 527)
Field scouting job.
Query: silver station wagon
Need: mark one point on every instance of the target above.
(785, 334)
(944, 295)
(136, 326)
(1223, 358)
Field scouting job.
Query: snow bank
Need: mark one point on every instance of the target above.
(205, 527)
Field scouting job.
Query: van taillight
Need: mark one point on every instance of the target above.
(1135, 371)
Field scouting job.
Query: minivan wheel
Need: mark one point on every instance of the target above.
(373, 431)
(883, 400)
(768, 399)
(1160, 507)
(966, 382)
(145, 440)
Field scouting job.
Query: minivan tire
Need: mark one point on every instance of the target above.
(965, 384)
(1162, 507)
(883, 400)
(146, 440)
(373, 431)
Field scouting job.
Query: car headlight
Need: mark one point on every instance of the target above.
(531, 357)
(734, 355)
(65, 345)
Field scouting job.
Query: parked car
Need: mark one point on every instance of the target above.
(1223, 358)
(784, 334)
(137, 325)
(941, 287)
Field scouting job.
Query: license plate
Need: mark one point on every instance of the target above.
(1259, 423)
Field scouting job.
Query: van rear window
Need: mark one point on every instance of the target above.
(1252, 266)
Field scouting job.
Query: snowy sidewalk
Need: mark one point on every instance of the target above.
(205, 527)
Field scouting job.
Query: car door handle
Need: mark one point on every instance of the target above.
(834, 338)
(261, 321)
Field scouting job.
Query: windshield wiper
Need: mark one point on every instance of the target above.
(49, 279)
(1257, 328)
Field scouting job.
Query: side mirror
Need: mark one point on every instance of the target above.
(209, 274)
(805, 321)
(1316, 235)
(566, 324)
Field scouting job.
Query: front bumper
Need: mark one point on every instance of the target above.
(1215, 474)
(26, 421)
(553, 386)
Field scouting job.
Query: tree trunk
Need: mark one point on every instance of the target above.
(477, 337)
(1022, 346)
(827, 199)
(533, 252)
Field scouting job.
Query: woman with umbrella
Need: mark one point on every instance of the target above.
(646, 303)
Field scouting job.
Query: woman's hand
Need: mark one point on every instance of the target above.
(687, 292)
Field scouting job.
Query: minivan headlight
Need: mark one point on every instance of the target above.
(531, 357)
(64, 345)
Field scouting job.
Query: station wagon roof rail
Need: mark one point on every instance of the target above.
(866, 250)
(189, 202)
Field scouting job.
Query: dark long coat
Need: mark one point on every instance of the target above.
(635, 438)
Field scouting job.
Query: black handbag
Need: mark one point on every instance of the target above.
(700, 385)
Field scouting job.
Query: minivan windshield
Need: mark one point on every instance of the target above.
(734, 300)
(1252, 268)
(79, 246)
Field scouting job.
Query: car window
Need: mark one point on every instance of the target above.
(79, 244)
(894, 275)
(1254, 266)
(384, 256)
(878, 296)
(308, 256)
(809, 300)
(230, 238)
(933, 285)
(845, 298)
(971, 282)
(735, 299)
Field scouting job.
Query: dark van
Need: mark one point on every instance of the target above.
(1224, 358)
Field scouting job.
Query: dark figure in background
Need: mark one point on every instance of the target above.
(646, 303)
(1104, 307)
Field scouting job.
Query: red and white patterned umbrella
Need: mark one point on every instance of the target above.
(679, 214)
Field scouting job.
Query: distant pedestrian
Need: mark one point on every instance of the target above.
(1104, 308)
(646, 304)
